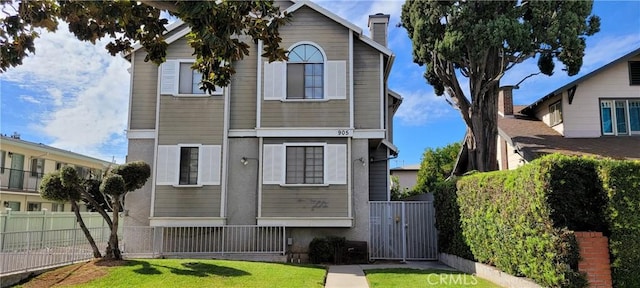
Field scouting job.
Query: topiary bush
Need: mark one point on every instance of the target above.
(450, 239)
(621, 181)
(522, 221)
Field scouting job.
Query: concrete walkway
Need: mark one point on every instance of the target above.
(352, 276)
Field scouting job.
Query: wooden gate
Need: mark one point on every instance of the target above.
(402, 230)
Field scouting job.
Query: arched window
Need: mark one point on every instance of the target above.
(305, 73)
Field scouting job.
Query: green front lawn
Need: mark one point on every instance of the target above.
(403, 277)
(158, 273)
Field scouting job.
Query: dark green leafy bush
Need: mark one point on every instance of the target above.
(320, 251)
(522, 221)
(450, 238)
(621, 181)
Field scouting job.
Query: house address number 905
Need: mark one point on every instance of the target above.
(344, 132)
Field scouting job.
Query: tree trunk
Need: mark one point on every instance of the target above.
(481, 140)
(113, 251)
(87, 234)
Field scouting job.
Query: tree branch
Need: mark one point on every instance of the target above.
(161, 5)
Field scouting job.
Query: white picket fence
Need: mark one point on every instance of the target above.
(44, 221)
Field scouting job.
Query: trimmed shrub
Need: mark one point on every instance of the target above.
(450, 238)
(522, 221)
(320, 251)
(621, 181)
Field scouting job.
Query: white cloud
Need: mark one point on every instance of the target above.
(29, 99)
(86, 93)
(422, 107)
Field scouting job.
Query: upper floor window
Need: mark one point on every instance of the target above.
(179, 79)
(188, 166)
(3, 155)
(304, 164)
(37, 167)
(555, 113)
(620, 117)
(305, 73)
(634, 73)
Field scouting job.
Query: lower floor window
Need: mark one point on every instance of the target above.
(34, 206)
(14, 205)
(305, 165)
(57, 207)
(188, 166)
(620, 117)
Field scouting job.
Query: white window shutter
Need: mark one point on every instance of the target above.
(275, 84)
(169, 77)
(336, 75)
(273, 164)
(209, 168)
(167, 165)
(336, 157)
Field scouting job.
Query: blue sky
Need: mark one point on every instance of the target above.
(74, 95)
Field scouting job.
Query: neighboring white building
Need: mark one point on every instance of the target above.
(407, 176)
(597, 114)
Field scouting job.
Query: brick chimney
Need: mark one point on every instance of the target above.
(505, 101)
(378, 26)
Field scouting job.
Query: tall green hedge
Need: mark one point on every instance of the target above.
(621, 180)
(522, 221)
(450, 238)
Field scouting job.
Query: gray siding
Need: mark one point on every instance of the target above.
(180, 49)
(366, 86)
(243, 89)
(380, 35)
(333, 38)
(191, 120)
(378, 176)
(187, 202)
(144, 93)
(330, 201)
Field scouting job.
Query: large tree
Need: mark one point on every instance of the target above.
(481, 40)
(216, 27)
(436, 166)
(66, 185)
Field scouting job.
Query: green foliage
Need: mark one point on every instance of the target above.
(320, 251)
(450, 239)
(214, 25)
(134, 174)
(621, 180)
(522, 221)
(113, 185)
(436, 166)
(61, 185)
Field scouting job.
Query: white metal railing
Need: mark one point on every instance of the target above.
(231, 239)
(33, 250)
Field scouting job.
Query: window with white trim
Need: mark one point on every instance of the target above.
(304, 164)
(34, 206)
(3, 155)
(305, 73)
(620, 116)
(37, 167)
(555, 113)
(188, 165)
(57, 207)
(178, 78)
(634, 73)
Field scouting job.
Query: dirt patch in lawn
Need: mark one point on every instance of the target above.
(73, 274)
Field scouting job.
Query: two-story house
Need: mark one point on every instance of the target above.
(22, 165)
(597, 114)
(303, 144)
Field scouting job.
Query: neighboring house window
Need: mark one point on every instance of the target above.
(14, 205)
(305, 73)
(634, 73)
(555, 113)
(620, 117)
(305, 165)
(83, 172)
(59, 165)
(37, 167)
(34, 206)
(188, 166)
(57, 207)
(179, 79)
(3, 155)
